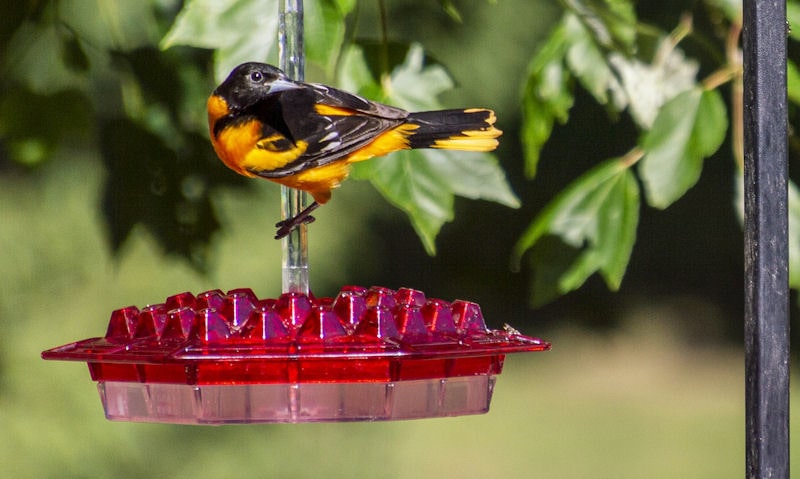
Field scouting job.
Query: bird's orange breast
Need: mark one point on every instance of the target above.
(242, 146)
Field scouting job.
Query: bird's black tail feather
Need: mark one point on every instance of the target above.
(468, 130)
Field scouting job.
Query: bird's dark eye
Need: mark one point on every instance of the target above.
(256, 77)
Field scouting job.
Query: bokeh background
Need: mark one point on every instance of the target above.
(645, 382)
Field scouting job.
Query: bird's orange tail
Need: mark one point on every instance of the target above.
(467, 130)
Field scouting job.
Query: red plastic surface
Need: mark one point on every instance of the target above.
(361, 335)
(366, 355)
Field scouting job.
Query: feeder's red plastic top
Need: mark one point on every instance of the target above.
(363, 335)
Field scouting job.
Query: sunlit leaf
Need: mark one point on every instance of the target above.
(594, 221)
(688, 128)
(238, 30)
(415, 85)
(212, 23)
(423, 182)
(648, 85)
(476, 176)
(346, 6)
(246, 30)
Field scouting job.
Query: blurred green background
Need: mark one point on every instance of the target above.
(647, 382)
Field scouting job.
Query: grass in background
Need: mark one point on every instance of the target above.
(638, 403)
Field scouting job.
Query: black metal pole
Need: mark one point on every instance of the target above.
(766, 240)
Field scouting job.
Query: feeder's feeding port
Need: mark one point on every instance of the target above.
(365, 355)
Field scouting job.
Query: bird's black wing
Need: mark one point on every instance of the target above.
(332, 123)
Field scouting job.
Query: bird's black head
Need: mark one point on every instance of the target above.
(252, 82)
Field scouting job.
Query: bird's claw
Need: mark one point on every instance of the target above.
(286, 226)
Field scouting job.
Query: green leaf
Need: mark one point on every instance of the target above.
(547, 97)
(212, 23)
(550, 258)
(119, 25)
(594, 221)
(324, 31)
(793, 18)
(346, 6)
(793, 81)
(620, 19)
(407, 180)
(423, 182)
(246, 30)
(354, 74)
(612, 22)
(39, 62)
(688, 128)
(414, 85)
(647, 86)
(476, 176)
(239, 31)
(587, 61)
(794, 235)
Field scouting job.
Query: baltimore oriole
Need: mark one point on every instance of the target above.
(305, 135)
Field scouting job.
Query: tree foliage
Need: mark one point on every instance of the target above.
(160, 173)
(132, 78)
(641, 71)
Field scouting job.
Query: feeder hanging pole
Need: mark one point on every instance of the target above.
(291, 59)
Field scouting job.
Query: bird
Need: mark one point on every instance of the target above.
(306, 135)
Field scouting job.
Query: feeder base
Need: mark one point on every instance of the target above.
(369, 354)
(296, 403)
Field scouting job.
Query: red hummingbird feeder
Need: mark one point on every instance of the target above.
(367, 354)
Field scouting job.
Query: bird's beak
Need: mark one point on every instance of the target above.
(282, 85)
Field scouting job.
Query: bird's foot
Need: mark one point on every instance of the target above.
(286, 226)
(304, 217)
